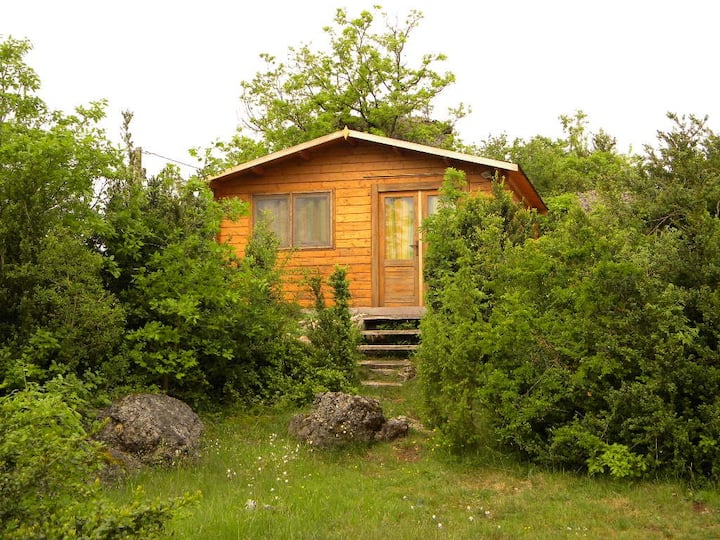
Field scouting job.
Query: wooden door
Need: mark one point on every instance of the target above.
(401, 247)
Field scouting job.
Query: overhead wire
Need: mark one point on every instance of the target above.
(171, 159)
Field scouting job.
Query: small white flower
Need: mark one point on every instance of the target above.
(250, 504)
(439, 525)
(472, 518)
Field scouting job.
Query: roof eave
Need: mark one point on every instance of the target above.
(362, 136)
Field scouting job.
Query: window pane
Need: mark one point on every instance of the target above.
(399, 227)
(311, 220)
(432, 204)
(275, 211)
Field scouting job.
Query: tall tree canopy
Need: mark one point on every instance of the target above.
(364, 80)
(579, 161)
(55, 316)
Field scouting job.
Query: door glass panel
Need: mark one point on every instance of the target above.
(399, 228)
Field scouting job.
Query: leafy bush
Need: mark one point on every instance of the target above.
(48, 471)
(593, 346)
(202, 323)
(334, 340)
(466, 240)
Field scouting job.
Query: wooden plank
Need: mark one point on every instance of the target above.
(384, 364)
(379, 348)
(389, 313)
(380, 383)
(407, 332)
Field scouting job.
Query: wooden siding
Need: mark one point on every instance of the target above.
(353, 171)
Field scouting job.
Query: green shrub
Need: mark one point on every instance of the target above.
(592, 346)
(48, 477)
(334, 339)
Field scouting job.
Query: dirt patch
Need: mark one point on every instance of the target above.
(496, 485)
(700, 508)
(408, 453)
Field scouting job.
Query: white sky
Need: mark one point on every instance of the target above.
(519, 64)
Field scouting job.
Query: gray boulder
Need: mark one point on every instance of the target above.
(393, 429)
(144, 429)
(337, 418)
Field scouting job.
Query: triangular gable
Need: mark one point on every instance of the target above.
(515, 176)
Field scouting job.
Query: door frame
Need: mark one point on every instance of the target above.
(377, 259)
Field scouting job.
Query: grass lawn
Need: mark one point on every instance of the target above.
(256, 482)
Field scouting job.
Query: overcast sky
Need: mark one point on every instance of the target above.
(519, 63)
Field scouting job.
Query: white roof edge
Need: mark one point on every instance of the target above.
(441, 152)
(387, 141)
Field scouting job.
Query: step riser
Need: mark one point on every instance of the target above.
(388, 332)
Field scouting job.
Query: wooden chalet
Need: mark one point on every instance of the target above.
(356, 200)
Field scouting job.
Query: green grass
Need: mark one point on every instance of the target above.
(406, 489)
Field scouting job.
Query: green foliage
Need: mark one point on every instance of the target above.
(363, 80)
(18, 84)
(595, 345)
(466, 240)
(580, 161)
(201, 323)
(264, 328)
(334, 338)
(55, 316)
(66, 322)
(48, 470)
(119, 279)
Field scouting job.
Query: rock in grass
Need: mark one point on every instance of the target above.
(337, 418)
(393, 429)
(150, 429)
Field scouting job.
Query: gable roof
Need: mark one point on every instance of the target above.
(516, 176)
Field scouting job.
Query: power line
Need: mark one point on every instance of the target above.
(171, 159)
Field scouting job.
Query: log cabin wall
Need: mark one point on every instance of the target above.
(353, 172)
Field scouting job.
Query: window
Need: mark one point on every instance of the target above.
(300, 220)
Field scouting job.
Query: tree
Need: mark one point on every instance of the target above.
(364, 81)
(202, 323)
(55, 316)
(18, 84)
(580, 161)
(594, 346)
(681, 177)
